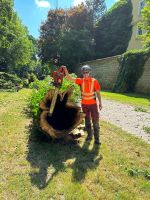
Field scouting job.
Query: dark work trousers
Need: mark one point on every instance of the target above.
(91, 112)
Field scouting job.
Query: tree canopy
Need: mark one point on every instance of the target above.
(69, 33)
(16, 49)
(114, 30)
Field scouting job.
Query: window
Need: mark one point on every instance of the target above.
(141, 6)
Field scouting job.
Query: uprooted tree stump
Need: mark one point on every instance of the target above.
(66, 117)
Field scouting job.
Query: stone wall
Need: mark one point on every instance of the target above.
(106, 71)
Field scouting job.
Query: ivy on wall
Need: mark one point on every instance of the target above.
(131, 68)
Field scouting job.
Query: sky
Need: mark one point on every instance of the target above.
(33, 12)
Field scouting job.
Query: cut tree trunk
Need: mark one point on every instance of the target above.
(65, 119)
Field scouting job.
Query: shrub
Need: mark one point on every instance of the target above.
(138, 172)
(25, 82)
(146, 129)
(40, 88)
(9, 81)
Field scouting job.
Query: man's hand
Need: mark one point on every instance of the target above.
(67, 74)
(65, 69)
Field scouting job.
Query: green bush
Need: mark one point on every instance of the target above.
(9, 81)
(25, 83)
(138, 172)
(146, 129)
(40, 88)
(32, 77)
(131, 68)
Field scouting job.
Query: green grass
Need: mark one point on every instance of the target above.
(132, 99)
(140, 109)
(31, 167)
(146, 129)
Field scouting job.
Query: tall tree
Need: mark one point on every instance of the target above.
(114, 30)
(78, 18)
(50, 32)
(62, 32)
(97, 9)
(15, 47)
(75, 47)
(6, 13)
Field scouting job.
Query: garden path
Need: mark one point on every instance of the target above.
(125, 116)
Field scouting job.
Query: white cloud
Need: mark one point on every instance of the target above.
(42, 3)
(77, 2)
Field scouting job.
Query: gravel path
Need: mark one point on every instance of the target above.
(127, 118)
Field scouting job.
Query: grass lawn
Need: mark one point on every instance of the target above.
(31, 167)
(132, 99)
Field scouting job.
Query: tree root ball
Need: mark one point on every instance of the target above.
(66, 116)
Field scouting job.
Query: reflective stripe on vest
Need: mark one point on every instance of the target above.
(88, 95)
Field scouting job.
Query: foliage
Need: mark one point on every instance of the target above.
(139, 172)
(140, 109)
(75, 48)
(9, 81)
(114, 30)
(50, 33)
(96, 8)
(40, 88)
(78, 18)
(131, 68)
(145, 24)
(69, 33)
(76, 91)
(16, 49)
(25, 83)
(42, 70)
(146, 129)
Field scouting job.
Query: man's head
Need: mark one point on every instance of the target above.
(86, 70)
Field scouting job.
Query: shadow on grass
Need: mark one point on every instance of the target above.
(44, 154)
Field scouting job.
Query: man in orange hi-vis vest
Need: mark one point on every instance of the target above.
(90, 89)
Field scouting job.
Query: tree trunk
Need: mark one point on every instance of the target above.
(65, 118)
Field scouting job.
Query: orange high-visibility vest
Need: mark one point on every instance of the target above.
(88, 95)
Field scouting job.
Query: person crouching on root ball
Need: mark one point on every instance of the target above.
(90, 88)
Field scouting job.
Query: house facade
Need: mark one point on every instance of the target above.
(135, 42)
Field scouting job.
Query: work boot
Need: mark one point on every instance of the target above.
(97, 142)
(96, 128)
(88, 129)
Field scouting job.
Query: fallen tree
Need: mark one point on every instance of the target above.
(66, 120)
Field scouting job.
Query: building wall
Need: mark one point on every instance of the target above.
(106, 71)
(135, 42)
